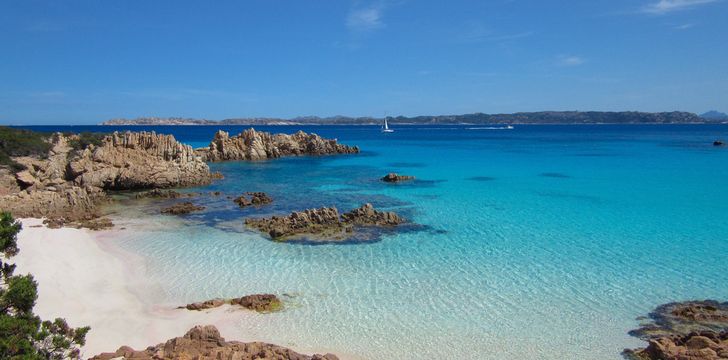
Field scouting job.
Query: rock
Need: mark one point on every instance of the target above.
(253, 198)
(691, 330)
(139, 160)
(368, 216)
(205, 343)
(259, 302)
(209, 304)
(161, 194)
(322, 224)
(393, 177)
(258, 145)
(718, 143)
(182, 208)
(69, 184)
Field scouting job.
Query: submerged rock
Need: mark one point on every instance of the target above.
(259, 145)
(692, 330)
(263, 303)
(718, 143)
(259, 302)
(182, 208)
(205, 343)
(162, 194)
(324, 223)
(393, 177)
(253, 198)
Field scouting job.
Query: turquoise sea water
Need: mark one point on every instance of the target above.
(542, 242)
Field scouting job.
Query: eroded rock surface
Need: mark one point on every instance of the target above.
(259, 145)
(69, 184)
(324, 223)
(259, 302)
(205, 343)
(692, 330)
(253, 198)
(162, 194)
(394, 177)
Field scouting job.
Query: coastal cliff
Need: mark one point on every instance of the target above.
(259, 145)
(69, 182)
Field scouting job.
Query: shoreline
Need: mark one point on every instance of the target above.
(83, 277)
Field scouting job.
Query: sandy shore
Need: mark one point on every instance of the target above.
(89, 282)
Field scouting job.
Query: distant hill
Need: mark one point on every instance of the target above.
(715, 115)
(544, 117)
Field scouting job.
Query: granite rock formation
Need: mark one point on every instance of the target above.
(258, 145)
(692, 330)
(68, 184)
(253, 198)
(393, 178)
(162, 194)
(324, 223)
(205, 343)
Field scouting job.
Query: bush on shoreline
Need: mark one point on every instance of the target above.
(23, 335)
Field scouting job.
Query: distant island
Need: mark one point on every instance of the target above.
(714, 115)
(543, 117)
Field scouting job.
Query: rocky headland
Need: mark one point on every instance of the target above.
(259, 145)
(205, 343)
(69, 183)
(325, 224)
(692, 330)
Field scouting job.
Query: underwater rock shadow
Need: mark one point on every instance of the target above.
(555, 175)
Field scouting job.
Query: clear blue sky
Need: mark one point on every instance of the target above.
(79, 62)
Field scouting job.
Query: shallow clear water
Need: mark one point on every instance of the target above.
(543, 242)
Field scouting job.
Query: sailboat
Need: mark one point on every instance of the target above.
(385, 128)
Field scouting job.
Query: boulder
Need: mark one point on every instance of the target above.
(253, 198)
(161, 194)
(205, 343)
(393, 178)
(182, 208)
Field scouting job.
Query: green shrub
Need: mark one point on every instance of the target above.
(21, 142)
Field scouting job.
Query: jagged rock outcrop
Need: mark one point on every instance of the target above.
(138, 160)
(366, 215)
(393, 177)
(324, 223)
(259, 145)
(182, 208)
(263, 303)
(253, 198)
(68, 185)
(205, 343)
(692, 330)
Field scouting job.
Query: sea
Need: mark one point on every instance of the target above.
(538, 242)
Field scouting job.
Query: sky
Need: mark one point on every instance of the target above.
(83, 62)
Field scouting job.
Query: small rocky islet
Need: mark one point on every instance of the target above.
(323, 224)
(691, 330)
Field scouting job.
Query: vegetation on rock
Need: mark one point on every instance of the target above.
(20, 142)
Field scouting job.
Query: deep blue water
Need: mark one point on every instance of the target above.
(541, 242)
